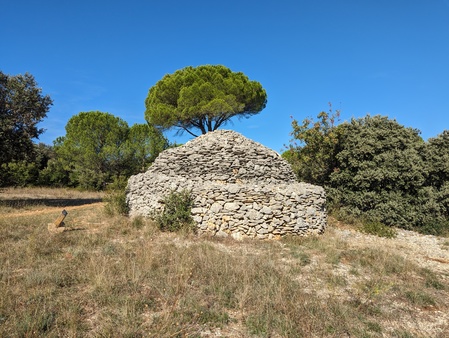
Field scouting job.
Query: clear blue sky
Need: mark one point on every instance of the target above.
(388, 57)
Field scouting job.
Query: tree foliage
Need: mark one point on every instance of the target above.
(22, 107)
(205, 98)
(18, 173)
(143, 145)
(438, 159)
(379, 154)
(313, 159)
(92, 150)
(99, 147)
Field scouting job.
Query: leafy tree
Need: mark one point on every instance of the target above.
(144, 143)
(380, 172)
(376, 169)
(313, 148)
(100, 148)
(22, 107)
(93, 149)
(205, 97)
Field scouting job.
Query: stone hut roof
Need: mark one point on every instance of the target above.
(228, 156)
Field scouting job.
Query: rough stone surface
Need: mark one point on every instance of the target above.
(239, 187)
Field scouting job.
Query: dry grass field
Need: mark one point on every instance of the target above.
(110, 276)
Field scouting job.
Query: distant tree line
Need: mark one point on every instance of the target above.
(375, 169)
(98, 148)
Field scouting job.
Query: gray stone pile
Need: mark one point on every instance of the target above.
(240, 188)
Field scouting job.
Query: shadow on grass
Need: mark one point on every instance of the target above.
(49, 202)
(65, 229)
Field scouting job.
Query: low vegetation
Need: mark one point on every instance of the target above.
(115, 276)
(176, 215)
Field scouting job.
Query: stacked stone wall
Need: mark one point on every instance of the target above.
(240, 188)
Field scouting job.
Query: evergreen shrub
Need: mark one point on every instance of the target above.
(176, 215)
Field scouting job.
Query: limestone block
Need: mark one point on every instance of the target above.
(266, 210)
(231, 206)
(216, 207)
(200, 211)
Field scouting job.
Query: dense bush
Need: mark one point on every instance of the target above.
(177, 212)
(438, 160)
(27, 171)
(376, 169)
(434, 227)
(54, 174)
(380, 171)
(438, 167)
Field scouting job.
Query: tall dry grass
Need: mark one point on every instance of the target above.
(115, 277)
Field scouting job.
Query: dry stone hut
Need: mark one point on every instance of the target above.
(240, 188)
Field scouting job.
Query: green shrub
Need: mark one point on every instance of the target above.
(436, 228)
(378, 229)
(177, 212)
(116, 203)
(89, 179)
(380, 171)
(54, 174)
(116, 197)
